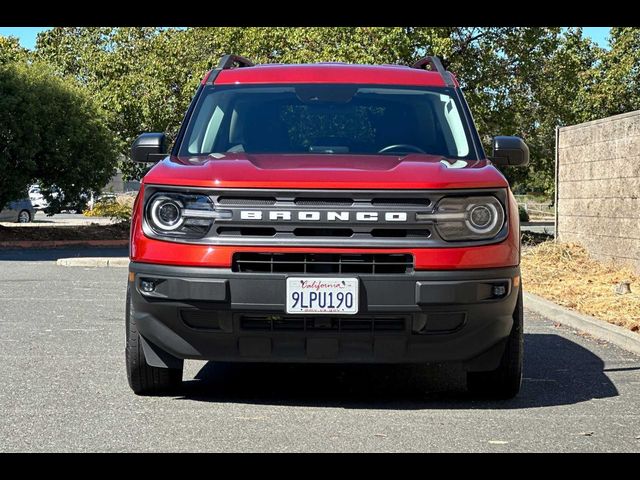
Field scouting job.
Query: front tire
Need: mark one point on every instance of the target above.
(143, 378)
(504, 382)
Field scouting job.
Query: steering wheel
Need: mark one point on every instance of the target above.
(388, 148)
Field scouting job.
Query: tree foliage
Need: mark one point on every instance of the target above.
(614, 85)
(51, 130)
(11, 51)
(518, 81)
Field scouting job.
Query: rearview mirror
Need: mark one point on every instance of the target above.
(510, 151)
(149, 147)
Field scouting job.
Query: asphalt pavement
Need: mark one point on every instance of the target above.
(40, 219)
(547, 227)
(63, 387)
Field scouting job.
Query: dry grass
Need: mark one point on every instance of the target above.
(565, 274)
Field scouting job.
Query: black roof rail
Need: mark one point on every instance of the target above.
(227, 62)
(436, 65)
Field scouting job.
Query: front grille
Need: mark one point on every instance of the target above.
(311, 218)
(324, 217)
(400, 232)
(246, 231)
(324, 202)
(286, 323)
(382, 263)
(323, 232)
(246, 201)
(402, 202)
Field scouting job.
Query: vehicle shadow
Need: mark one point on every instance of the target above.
(557, 371)
(52, 254)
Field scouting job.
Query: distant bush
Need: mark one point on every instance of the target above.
(522, 212)
(118, 210)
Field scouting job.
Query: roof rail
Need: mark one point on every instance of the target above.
(227, 62)
(436, 65)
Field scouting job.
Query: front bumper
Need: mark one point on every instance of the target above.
(424, 316)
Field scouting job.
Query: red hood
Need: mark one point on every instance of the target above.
(240, 170)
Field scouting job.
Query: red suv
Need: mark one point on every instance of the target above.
(326, 213)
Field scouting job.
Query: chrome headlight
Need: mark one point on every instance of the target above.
(467, 218)
(182, 214)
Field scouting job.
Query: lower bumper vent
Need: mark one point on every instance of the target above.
(370, 324)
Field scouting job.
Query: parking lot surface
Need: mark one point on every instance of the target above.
(64, 388)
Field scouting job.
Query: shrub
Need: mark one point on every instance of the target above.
(119, 210)
(522, 212)
(51, 130)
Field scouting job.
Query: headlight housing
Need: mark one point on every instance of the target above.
(468, 218)
(183, 215)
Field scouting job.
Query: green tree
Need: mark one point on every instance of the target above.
(11, 51)
(547, 71)
(51, 130)
(520, 81)
(615, 82)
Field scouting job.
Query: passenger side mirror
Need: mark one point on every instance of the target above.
(510, 151)
(149, 147)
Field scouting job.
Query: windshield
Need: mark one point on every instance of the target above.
(327, 119)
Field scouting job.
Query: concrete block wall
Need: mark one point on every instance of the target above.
(598, 187)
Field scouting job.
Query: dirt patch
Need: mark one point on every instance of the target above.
(565, 274)
(119, 231)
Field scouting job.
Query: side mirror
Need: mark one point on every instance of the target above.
(149, 147)
(510, 151)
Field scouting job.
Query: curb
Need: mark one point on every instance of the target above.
(595, 327)
(93, 262)
(63, 243)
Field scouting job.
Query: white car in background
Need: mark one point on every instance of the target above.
(37, 199)
(39, 202)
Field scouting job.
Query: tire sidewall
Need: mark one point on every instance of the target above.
(28, 216)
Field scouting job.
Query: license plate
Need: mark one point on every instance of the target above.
(322, 295)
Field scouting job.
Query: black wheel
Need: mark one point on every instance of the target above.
(24, 216)
(143, 378)
(504, 382)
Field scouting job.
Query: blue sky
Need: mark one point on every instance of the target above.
(597, 34)
(27, 35)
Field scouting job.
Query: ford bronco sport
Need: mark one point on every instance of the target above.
(326, 213)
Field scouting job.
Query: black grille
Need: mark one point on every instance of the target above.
(249, 201)
(246, 231)
(322, 202)
(332, 218)
(400, 232)
(382, 263)
(246, 201)
(323, 232)
(408, 202)
(239, 231)
(285, 323)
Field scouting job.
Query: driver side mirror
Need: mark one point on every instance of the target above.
(149, 147)
(510, 151)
